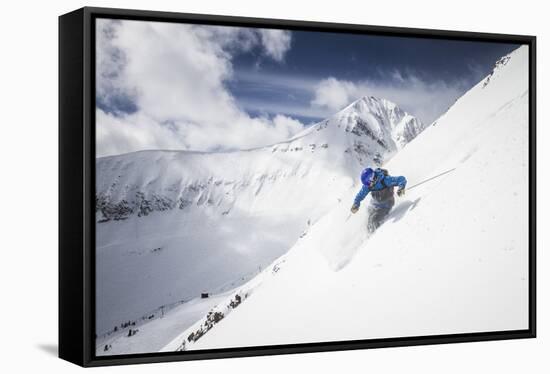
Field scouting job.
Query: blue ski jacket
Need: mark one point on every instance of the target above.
(382, 181)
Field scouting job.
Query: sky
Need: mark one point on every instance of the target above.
(213, 88)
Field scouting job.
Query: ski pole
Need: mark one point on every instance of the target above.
(429, 179)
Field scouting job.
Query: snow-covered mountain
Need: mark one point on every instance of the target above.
(451, 258)
(173, 224)
(368, 131)
(382, 120)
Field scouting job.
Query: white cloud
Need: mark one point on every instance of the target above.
(175, 75)
(426, 100)
(334, 94)
(138, 131)
(116, 135)
(297, 109)
(275, 42)
(286, 125)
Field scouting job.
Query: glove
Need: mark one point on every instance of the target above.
(354, 208)
(401, 192)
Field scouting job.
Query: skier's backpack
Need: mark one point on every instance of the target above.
(384, 173)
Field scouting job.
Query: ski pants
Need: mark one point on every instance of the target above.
(377, 215)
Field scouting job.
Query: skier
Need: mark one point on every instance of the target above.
(381, 185)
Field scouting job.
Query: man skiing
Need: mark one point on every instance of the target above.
(381, 185)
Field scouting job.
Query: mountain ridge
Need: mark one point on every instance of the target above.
(368, 131)
(299, 135)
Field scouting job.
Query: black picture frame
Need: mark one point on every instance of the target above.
(77, 181)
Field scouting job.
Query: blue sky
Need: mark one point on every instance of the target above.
(192, 87)
(261, 84)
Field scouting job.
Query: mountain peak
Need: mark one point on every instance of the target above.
(370, 100)
(380, 119)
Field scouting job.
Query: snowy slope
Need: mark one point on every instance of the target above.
(173, 224)
(452, 257)
(152, 332)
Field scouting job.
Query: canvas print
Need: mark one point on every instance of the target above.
(260, 187)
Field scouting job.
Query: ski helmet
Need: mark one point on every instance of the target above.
(366, 176)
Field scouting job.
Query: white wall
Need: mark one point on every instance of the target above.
(28, 166)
